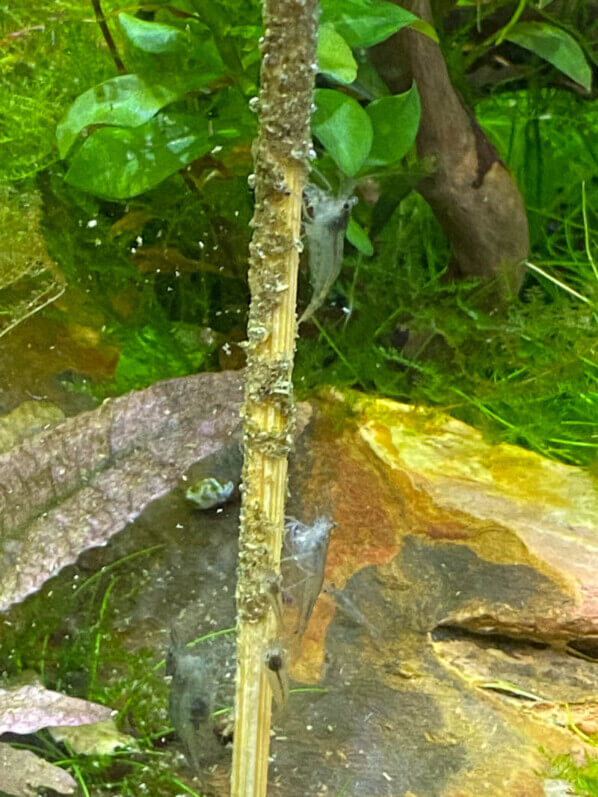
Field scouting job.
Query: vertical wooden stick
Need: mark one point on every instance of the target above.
(281, 156)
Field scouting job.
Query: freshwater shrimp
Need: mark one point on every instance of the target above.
(325, 230)
(308, 547)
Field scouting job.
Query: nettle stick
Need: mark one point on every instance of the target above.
(281, 155)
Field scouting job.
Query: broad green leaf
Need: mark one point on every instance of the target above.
(343, 127)
(368, 78)
(117, 163)
(357, 236)
(230, 116)
(395, 121)
(196, 42)
(153, 37)
(220, 22)
(363, 23)
(334, 55)
(125, 100)
(555, 46)
(183, 5)
(422, 26)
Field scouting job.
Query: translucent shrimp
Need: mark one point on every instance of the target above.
(272, 588)
(307, 547)
(201, 683)
(325, 229)
(189, 705)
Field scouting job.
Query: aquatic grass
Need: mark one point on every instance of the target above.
(79, 776)
(578, 732)
(93, 665)
(586, 231)
(526, 375)
(299, 690)
(110, 673)
(185, 788)
(211, 635)
(42, 660)
(582, 777)
(41, 72)
(316, 690)
(117, 563)
(328, 338)
(558, 282)
(349, 780)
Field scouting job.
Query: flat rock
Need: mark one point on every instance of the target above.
(477, 565)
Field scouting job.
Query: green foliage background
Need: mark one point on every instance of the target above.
(530, 378)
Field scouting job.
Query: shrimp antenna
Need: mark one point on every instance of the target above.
(322, 178)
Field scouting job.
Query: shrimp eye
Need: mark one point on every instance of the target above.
(274, 662)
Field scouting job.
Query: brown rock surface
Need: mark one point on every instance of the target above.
(477, 566)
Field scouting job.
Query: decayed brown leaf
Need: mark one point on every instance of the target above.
(29, 708)
(22, 773)
(72, 487)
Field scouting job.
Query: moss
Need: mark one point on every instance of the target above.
(50, 54)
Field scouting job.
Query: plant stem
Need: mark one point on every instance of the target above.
(503, 33)
(101, 20)
(287, 81)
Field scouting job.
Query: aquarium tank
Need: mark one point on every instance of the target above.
(299, 398)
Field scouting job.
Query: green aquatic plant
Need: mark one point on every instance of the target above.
(163, 278)
(78, 663)
(37, 81)
(528, 375)
(161, 275)
(582, 777)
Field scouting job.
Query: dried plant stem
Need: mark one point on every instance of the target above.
(287, 80)
(264, 482)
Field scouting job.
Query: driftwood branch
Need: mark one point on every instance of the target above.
(472, 193)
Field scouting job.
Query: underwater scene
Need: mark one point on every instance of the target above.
(299, 398)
